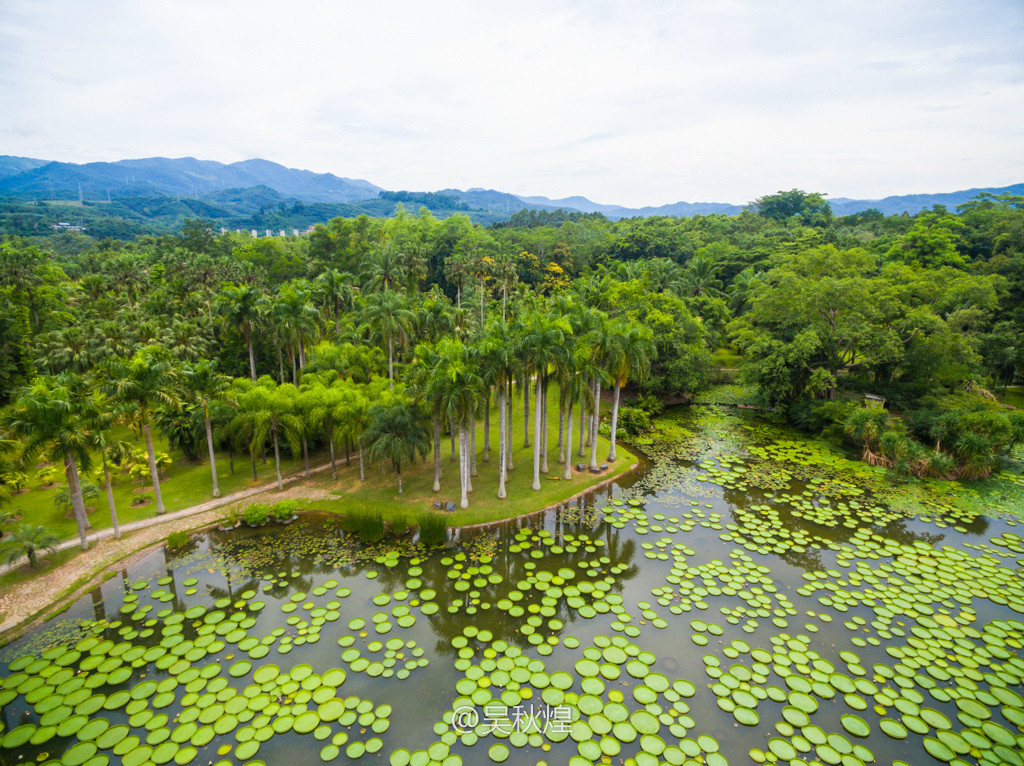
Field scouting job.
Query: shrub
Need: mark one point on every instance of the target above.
(14, 479)
(256, 514)
(283, 509)
(369, 525)
(650, 404)
(433, 529)
(177, 540)
(633, 421)
(47, 475)
(62, 497)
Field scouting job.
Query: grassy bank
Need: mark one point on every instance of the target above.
(188, 484)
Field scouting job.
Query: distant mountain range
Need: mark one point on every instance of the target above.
(237, 194)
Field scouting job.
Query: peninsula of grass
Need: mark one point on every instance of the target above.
(188, 484)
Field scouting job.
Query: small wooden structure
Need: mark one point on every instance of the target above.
(871, 400)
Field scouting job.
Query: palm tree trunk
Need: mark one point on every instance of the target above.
(568, 441)
(597, 419)
(252, 356)
(544, 429)
(437, 452)
(508, 428)
(280, 363)
(277, 462)
(615, 421)
(213, 458)
(75, 489)
(302, 354)
(526, 412)
(152, 468)
(472, 444)
(501, 441)
(537, 439)
(252, 458)
(583, 420)
(305, 456)
(487, 426)
(454, 433)
(561, 429)
(463, 473)
(110, 495)
(398, 470)
(295, 371)
(362, 465)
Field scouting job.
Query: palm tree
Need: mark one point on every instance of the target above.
(701, 277)
(384, 270)
(47, 415)
(268, 412)
(396, 433)
(338, 291)
(390, 321)
(543, 344)
(423, 384)
(145, 380)
(26, 540)
(101, 415)
(499, 358)
(744, 285)
(630, 351)
(205, 386)
(298, 318)
(242, 307)
(460, 390)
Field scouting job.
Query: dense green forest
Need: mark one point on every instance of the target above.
(380, 334)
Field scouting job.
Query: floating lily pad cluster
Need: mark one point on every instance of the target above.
(833, 618)
(614, 703)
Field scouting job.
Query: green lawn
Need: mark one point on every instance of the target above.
(189, 483)
(726, 358)
(1014, 396)
(186, 484)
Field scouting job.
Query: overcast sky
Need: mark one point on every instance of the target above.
(635, 103)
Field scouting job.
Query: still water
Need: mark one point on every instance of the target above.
(745, 597)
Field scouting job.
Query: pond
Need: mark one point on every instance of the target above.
(750, 596)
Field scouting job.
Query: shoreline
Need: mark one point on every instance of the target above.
(42, 607)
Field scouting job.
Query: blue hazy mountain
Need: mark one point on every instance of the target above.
(185, 176)
(251, 184)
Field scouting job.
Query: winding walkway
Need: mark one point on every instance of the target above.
(29, 598)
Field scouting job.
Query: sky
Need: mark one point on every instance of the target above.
(639, 102)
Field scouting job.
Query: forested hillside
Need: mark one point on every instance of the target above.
(443, 319)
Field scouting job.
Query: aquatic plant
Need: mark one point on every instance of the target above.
(256, 514)
(369, 525)
(433, 529)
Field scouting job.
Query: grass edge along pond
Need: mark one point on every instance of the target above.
(377, 494)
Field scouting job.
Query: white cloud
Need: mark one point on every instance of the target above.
(632, 103)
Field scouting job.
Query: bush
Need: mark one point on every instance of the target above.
(177, 540)
(634, 421)
(283, 510)
(47, 475)
(256, 514)
(369, 525)
(62, 497)
(650, 404)
(14, 479)
(433, 529)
